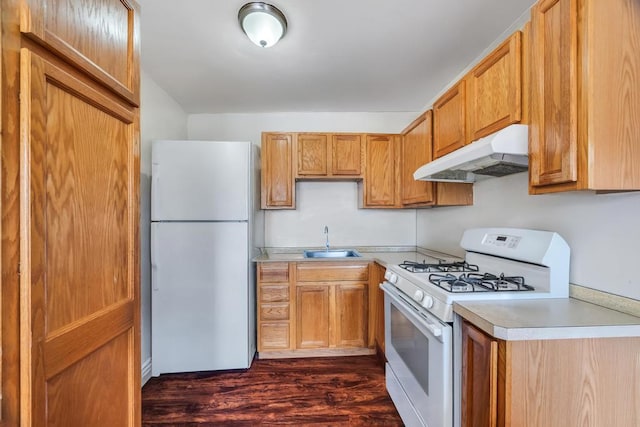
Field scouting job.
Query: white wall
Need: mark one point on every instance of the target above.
(334, 204)
(160, 118)
(600, 229)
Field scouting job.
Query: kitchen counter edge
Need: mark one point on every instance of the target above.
(547, 319)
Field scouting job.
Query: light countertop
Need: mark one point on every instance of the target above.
(382, 255)
(542, 319)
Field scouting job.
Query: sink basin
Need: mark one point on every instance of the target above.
(335, 253)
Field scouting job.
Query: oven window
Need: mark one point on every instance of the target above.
(412, 347)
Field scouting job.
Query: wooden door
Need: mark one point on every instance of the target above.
(479, 378)
(351, 315)
(346, 155)
(494, 89)
(312, 316)
(449, 121)
(416, 150)
(312, 154)
(80, 314)
(79, 341)
(380, 172)
(553, 151)
(278, 189)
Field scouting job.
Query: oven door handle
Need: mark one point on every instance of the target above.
(434, 328)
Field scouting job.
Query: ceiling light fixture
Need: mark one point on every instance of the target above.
(263, 23)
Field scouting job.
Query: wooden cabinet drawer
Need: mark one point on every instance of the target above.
(273, 272)
(328, 271)
(274, 336)
(274, 293)
(274, 311)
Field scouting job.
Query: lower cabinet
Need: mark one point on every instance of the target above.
(554, 382)
(323, 309)
(331, 316)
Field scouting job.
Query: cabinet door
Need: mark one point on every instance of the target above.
(479, 378)
(380, 172)
(346, 155)
(494, 89)
(312, 154)
(376, 306)
(553, 131)
(278, 190)
(416, 149)
(79, 310)
(449, 121)
(312, 316)
(351, 315)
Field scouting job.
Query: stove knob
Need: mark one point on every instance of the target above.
(393, 278)
(418, 295)
(427, 302)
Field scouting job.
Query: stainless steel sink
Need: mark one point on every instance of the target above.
(334, 253)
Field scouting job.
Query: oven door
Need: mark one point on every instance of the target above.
(419, 354)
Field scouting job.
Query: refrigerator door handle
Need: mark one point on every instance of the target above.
(155, 191)
(154, 257)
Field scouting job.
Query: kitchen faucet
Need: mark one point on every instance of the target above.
(326, 231)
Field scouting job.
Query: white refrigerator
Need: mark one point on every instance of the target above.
(206, 226)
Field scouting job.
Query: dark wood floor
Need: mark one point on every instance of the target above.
(347, 391)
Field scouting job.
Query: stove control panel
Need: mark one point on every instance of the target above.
(501, 241)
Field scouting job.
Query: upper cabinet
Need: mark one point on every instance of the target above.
(449, 121)
(322, 155)
(346, 155)
(585, 97)
(312, 154)
(278, 189)
(380, 184)
(416, 146)
(494, 90)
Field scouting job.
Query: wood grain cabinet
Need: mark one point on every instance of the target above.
(376, 307)
(274, 312)
(322, 155)
(331, 305)
(381, 183)
(278, 186)
(580, 381)
(416, 147)
(449, 121)
(479, 378)
(494, 90)
(585, 97)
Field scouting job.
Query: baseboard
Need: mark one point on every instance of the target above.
(146, 371)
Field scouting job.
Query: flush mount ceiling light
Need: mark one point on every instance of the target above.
(263, 23)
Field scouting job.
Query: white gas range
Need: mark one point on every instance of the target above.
(499, 264)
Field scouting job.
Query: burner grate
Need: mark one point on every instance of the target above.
(440, 267)
(479, 282)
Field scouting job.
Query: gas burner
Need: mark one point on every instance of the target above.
(479, 282)
(440, 267)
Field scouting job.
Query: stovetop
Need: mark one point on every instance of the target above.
(460, 276)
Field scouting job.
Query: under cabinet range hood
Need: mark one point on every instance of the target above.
(502, 153)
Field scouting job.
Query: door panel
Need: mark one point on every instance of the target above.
(79, 247)
(98, 36)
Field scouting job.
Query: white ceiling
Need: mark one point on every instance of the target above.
(338, 55)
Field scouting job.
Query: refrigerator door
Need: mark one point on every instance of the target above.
(200, 297)
(200, 181)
